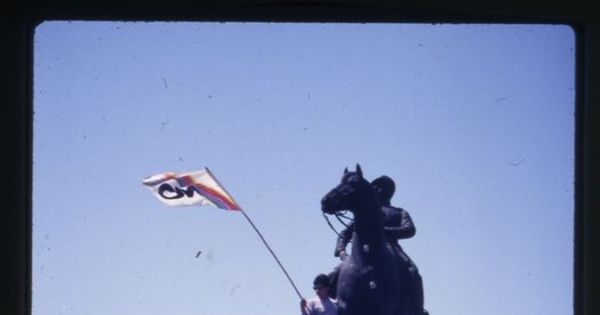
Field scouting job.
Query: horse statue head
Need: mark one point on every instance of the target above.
(348, 194)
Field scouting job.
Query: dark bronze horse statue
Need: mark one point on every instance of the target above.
(369, 282)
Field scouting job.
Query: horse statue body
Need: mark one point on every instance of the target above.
(369, 282)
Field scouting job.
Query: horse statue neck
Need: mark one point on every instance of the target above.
(368, 224)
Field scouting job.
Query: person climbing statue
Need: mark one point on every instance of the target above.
(321, 303)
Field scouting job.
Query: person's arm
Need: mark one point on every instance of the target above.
(402, 227)
(304, 310)
(343, 240)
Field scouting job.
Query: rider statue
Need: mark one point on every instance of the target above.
(397, 225)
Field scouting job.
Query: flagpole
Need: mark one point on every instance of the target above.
(259, 234)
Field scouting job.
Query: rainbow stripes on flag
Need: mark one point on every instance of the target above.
(190, 189)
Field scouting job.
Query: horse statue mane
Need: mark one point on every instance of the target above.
(368, 283)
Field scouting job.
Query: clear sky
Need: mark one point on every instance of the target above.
(474, 122)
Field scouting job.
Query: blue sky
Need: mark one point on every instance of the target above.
(474, 122)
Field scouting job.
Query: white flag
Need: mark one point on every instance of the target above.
(189, 189)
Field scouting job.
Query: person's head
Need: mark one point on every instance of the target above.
(384, 188)
(321, 286)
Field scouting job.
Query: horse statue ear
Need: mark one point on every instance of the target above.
(359, 170)
(346, 170)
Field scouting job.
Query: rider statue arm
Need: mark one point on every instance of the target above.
(344, 238)
(401, 227)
